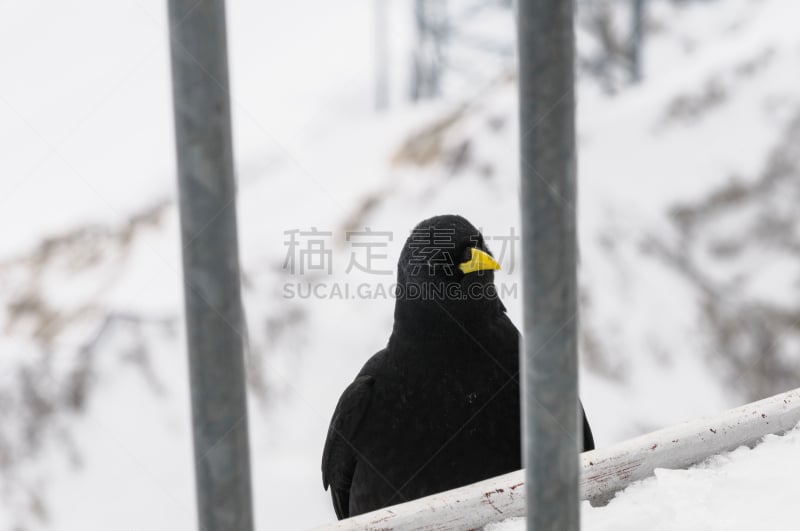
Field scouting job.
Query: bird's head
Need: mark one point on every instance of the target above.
(446, 267)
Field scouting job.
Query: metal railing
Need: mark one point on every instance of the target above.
(212, 286)
(548, 357)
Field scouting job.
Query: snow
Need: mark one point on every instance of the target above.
(87, 196)
(740, 490)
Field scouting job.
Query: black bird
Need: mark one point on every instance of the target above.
(439, 407)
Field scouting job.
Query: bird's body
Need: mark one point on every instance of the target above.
(438, 408)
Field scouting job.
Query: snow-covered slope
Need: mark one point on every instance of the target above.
(741, 490)
(688, 237)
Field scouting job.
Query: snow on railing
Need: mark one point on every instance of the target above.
(604, 471)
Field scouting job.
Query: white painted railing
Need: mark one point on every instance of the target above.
(604, 471)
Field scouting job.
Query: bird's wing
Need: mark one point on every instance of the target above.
(340, 456)
(588, 438)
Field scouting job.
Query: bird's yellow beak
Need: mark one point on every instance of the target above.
(480, 261)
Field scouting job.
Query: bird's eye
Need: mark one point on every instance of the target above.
(466, 256)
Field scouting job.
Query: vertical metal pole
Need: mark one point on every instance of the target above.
(547, 199)
(214, 317)
(430, 17)
(637, 39)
